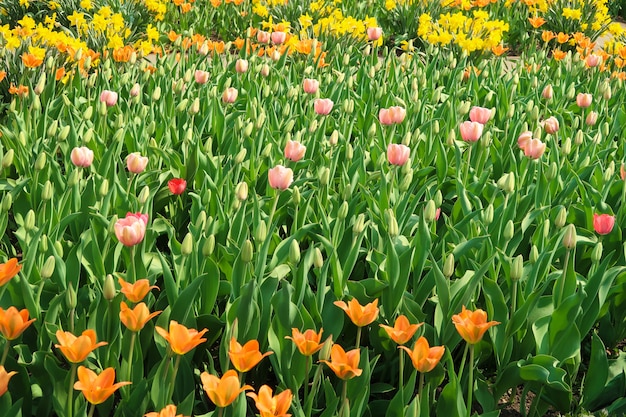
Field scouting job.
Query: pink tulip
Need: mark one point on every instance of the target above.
(136, 163)
(547, 92)
(323, 106)
(524, 138)
(471, 131)
(202, 77)
(310, 85)
(263, 36)
(280, 177)
(384, 115)
(398, 154)
(480, 115)
(584, 100)
(134, 92)
(82, 157)
(230, 95)
(591, 118)
(373, 34)
(278, 37)
(265, 70)
(551, 125)
(131, 229)
(534, 148)
(275, 55)
(109, 97)
(593, 60)
(241, 66)
(294, 150)
(603, 223)
(397, 113)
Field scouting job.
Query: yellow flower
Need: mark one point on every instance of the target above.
(390, 4)
(86, 4)
(260, 10)
(573, 14)
(76, 19)
(152, 33)
(115, 42)
(306, 21)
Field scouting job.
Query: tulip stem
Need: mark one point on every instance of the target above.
(514, 298)
(469, 161)
(420, 388)
(401, 381)
(91, 410)
(130, 358)
(344, 396)
(358, 337)
(306, 378)
(131, 267)
(70, 395)
(470, 385)
(563, 277)
(462, 367)
(173, 380)
(7, 345)
(220, 411)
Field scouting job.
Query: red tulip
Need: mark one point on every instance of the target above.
(603, 223)
(177, 185)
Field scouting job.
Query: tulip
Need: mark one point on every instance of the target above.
(265, 70)
(591, 118)
(584, 100)
(384, 115)
(402, 331)
(241, 66)
(76, 349)
(360, 315)
(137, 291)
(278, 37)
(177, 186)
(109, 98)
(136, 319)
(272, 406)
(202, 77)
(180, 338)
(603, 223)
(308, 342)
(294, 150)
(471, 131)
(547, 92)
(323, 106)
(13, 322)
(593, 60)
(263, 36)
(374, 33)
(472, 325)
(222, 391)
(480, 115)
(230, 95)
(247, 356)
(524, 138)
(397, 114)
(168, 411)
(398, 154)
(344, 364)
(136, 163)
(4, 380)
(310, 85)
(551, 125)
(82, 156)
(97, 388)
(424, 357)
(534, 148)
(134, 92)
(280, 177)
(8, 270)
(131, 229)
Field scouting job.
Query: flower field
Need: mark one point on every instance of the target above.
(317, 208)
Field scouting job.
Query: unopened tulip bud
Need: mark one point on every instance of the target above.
(607, 94)
(324, 176)
(359, 224)
(241, 156)
(294, 252)
(342, 213)
(437, 96)
(430, 212)
(334, 138)
(318, 259)
(48, 267)
(52, 129)
(487, 215)
(46, 193)
(517, 268)
(40, 163)
(260, 233)
(187, 246)
(70, 297)
(58, 247)
(64, 133)
(295, 196)
(463, 108)
(561, 218)
(247, 251)
(41, 84)
(88, 135)
(241, 191)
(566, 148)
(534, 254)
(596, 253)
(605, 129)
(313, 126)
(7, 159)
(552, 171)
(392, 223)
(569, 238)
(406, 181)
(7, 202)
(195, 107)
(267, 151)
(349, 151)
(571, 91)
(260, 120)
(324, 353)
(156, 93)
(547, 92)
(108, 289)
(209, 245)
(509, 230)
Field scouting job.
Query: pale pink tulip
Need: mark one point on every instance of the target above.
(547, 92)
(82, 157)
(136, 163)
(263, 36)
(373, 34)
(584, 100)
(280, 177)
(398, 154)
(534, 148)
(278, 37)
(397, 113)
(323, 106)
(310, 85)
(591, 118)
(593, 60)
(202, 77)
(294, 150)
(384, 115)
(131, 229)
(230, 95)
(480, 115)
(109, 97)
(134, 92)
(241, 66)
(524, 138)
(551, 125)
(471, 131)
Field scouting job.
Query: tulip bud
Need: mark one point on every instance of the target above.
(241, 156)
(156, 93)
(144, 195)
(571, 91)
(108, 289)
(246, 251)
(430, 212)
(260, 233)
(392, 223)
(359, 224)
(48, 267)
(318, 259)
(604, 129)
(58, 247)
(566, 148)
(7, 159)
(43, 243)
(509, 230)
(371, 132)
(324, 176)
(349, 151)
(187, 245)
(70, 297)
(334, 138)
(552, 171)
(448, 266)
(209, 245)
(267, 151)
(407, 180)
(64, 133)
(569, 238)
(241, 191)
(596, 253)
(295, 196)
(487, 215)
(46, 193)
(41, 84)
(342, 213)
(40, 162)
(294, 252)
(313, 126)
(517, 268)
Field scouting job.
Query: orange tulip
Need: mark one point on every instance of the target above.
(424, 358)
(536, 21)
(402, 331)
(31, 60)
(180, 338)
(308, 342)
(76, 349)
(272, 406)
(360, 315)
(168, 411)
(344, 364)
(137, 291)
(222, 391)
(97, 388)
(13, 322)
(472, 325)
(8, 270)
(4, 380)
(136, 318)
(247, 356)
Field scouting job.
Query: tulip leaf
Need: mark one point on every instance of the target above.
(596, 376)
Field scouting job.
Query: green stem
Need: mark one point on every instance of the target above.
(469, 161)
(7, 345)
(130, 357)
(220, 412)
(313, 393)
(306, 378)
(358, 337)
(562, 283)
(462, 367)
(173, 380)
(420, 388)
(72, 314)
(91, 410)
(131, 267)
(470, 385)
(70, 393)
(514, 298)
(344, 396)
(401, 381)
